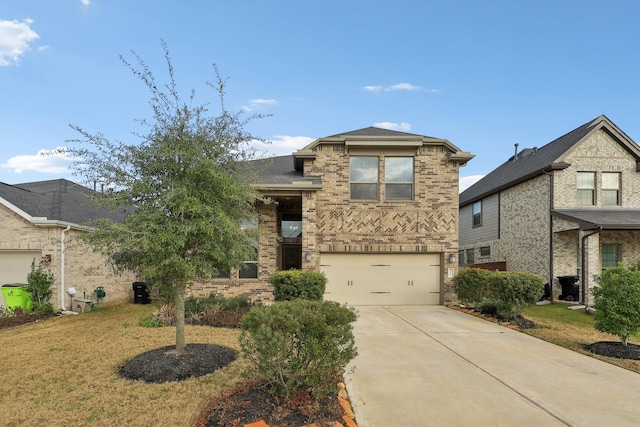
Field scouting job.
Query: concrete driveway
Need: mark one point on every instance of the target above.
(433, 366)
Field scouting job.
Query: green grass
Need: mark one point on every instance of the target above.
(560, 313)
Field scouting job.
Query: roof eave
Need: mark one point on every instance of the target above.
(552, 167)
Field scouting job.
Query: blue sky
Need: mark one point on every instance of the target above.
(482, 74)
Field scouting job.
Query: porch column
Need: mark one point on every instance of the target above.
(310, 254)
(591, 263)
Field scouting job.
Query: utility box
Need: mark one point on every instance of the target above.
(81, 305)
(16, 295)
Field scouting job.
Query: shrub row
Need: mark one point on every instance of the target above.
(501, 293)
(289, 285)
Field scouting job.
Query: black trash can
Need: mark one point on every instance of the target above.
(570, 288)
(140, 293)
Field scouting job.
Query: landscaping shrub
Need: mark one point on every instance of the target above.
(193, 305)
(300, 345)
(617, 302)
(513, 291)
(487, 306)
(472, 284)
(39, 282)
(298, 284)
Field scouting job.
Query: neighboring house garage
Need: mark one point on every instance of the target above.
(14, 267)
(388, 279)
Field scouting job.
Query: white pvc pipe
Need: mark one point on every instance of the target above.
(62, 250)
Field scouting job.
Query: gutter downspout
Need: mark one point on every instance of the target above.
(585, 264)
(62, 251)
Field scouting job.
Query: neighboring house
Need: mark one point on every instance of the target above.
(569, 208)
(40, 220)
(375, 210)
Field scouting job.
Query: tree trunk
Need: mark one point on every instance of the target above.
(179, 302)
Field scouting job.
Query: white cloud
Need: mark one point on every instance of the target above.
(468, 181)
(258, 103)
(14, 40)
(403, 127)
(54, 162)
(281, 145)
(85, 3)
(392, 88)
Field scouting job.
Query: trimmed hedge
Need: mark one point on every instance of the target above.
(506, 292)
(298, 284)
(472, 284)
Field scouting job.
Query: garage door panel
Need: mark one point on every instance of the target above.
(382, 278)
(14, 267)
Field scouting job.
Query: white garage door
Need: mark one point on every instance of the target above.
(361, 279)
(14, 267)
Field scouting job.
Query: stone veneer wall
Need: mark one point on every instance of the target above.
(524, 228)
(84, 269)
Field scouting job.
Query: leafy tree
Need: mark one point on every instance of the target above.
(617, 302)
(182, 186)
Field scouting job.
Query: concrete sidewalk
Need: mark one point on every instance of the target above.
(433, 366)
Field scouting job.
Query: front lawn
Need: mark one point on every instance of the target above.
(573, 329)
(64, 371)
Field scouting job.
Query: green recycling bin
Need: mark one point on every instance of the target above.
(16, 295)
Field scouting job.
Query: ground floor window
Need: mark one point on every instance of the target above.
(610, 255)
(485, 251)
(471, 258)
(461, 257)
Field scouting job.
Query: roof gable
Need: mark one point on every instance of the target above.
(532, 162)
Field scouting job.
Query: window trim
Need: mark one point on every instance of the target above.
(475, 215)
(398, 183)
(592, 189)
(352, 182)
(618, 254)
(617, 189)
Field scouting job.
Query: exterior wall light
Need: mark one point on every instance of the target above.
(452, 258)
(308, 256)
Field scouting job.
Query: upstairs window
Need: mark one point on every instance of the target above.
(586, 183)
(477, 214)
(363, 178)
(398, 178)
(611, 188)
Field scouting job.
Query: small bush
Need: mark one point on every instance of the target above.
(617, 302)
(43, 309)
(514, 291)
(472, 284)
(487, 306)
(299, 345)
(39, 285)
(297, 284)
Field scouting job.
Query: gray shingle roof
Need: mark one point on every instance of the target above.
(374, 131)
(57, 200)
(532, 162)
(607, 219)
(276, 170)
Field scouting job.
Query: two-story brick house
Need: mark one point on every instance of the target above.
(569, 208)
(375, 210)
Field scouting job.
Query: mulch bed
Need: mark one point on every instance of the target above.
(22, 319)
(163, 364)
(253, 403)
(614, 349)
